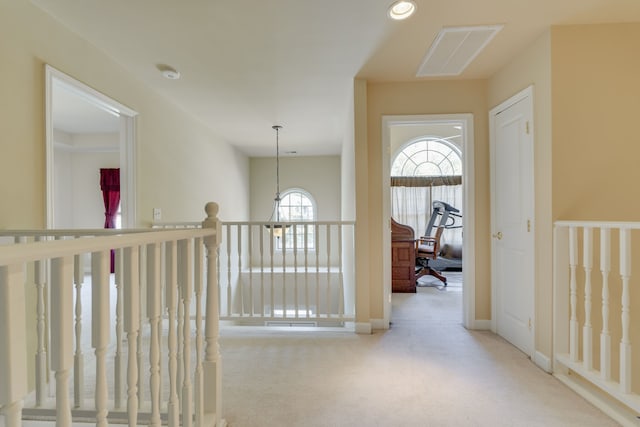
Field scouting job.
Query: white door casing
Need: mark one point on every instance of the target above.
(127, 142)
(512, 209)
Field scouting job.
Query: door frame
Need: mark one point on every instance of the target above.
(127, 142)
(525, 94)
(468, 209)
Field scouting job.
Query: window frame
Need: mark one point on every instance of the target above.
(311, 235)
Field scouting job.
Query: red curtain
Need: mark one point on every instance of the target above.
(110, 186)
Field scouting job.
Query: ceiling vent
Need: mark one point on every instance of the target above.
(454, 48)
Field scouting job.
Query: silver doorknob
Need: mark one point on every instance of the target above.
(498, 235)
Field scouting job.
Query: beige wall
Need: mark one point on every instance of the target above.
(533, 67)
(434, 97)
(319, 176)
(174, 152)
(596, 105)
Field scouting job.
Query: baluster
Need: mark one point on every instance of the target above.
(328, 271)
(317, 234)
(587, 329)
(229, 291)
(131, 285)
(179, 330)
(605, 336)
(186, 260)
(13, 347)
(625, 342)
(212, 364)
(78, 365)
(118, 371)
(240, 285)
(198, 283)
(262, 304)
(154, 312)
(271, 252)
(284, 271)
(41, 352)
(340, 275)
(100, 323)
(142, 283)
(306, 269)
(295, 270)
(250, 254)
(62, 334)
(171, 289)
(573, 322)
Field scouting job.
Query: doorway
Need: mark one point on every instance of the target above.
(85, 130)
(512, 220)
(410, 124)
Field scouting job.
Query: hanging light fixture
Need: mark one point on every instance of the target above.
(275, 214)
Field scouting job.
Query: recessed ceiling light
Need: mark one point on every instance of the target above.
(402, 9)
(168, 72)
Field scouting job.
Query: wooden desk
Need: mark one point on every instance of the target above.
(403, 258)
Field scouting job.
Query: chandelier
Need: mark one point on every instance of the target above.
(276, 227)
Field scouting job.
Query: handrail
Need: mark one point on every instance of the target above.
(634, 225)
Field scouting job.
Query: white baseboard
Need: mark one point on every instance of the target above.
(615, 410)
(379, 324)
(481, 325)
(542, 361)
(363, 328)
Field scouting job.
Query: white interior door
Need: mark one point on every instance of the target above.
(512, 220)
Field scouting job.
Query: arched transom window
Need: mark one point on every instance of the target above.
(429, 156)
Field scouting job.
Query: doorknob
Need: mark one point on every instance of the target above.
(498, 235)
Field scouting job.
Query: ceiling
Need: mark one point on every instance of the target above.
(247, 65)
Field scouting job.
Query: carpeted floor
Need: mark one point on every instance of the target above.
(427, 370)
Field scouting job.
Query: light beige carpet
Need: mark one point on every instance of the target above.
(427, 370)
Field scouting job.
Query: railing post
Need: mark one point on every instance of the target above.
(625, 341)
(154, 311)
(62, 334)
(587, 330)
(573, 323)
(41, 352)
(78, 365)
(100, 325)
(131, 284)
(171, 301)
(605, 336)
(212, 363)
(13, 355)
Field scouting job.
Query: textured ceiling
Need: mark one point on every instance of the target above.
(247, 65)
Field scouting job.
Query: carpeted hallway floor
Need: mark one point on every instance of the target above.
(427, 370)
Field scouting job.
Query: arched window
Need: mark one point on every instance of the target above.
(296, 205)
(429, 156)
(425, 169)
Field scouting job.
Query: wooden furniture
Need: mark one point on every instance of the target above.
(403, 258)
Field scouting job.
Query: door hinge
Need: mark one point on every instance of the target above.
(528, 226)
(529, 323)
(527, 127)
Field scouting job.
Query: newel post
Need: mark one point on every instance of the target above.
(212, 363)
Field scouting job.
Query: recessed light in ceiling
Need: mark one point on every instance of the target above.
(168, 72)
(402, 9)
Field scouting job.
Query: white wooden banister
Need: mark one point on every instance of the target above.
(145, 262)
(577, 368)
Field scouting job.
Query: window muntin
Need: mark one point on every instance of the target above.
(297, 205)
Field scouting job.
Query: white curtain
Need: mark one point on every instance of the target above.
(412, 206)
